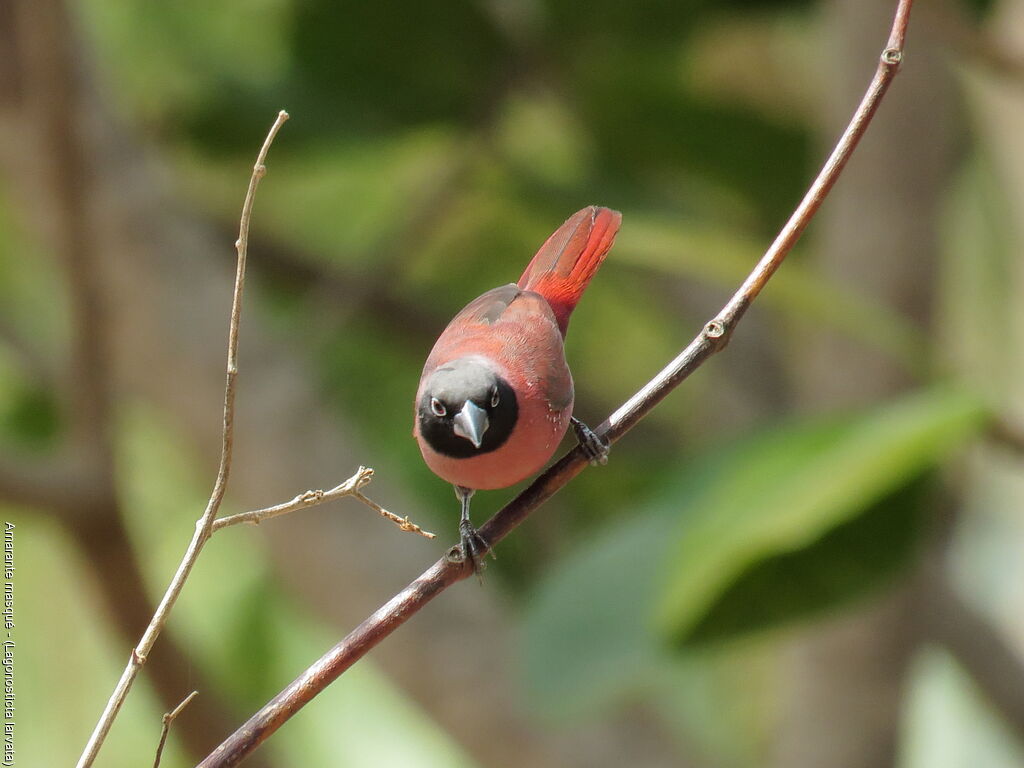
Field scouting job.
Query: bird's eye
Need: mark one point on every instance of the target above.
(437, 407)
(494, 398)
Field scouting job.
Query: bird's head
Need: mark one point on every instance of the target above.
(466, 408)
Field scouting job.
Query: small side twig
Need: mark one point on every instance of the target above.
(350, 487)
(403, 523)
(205, 523)
(168, 719)
(711, 339)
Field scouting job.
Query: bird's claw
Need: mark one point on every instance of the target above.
(593, 445)
(473, 547)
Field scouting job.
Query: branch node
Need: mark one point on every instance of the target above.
(168, 718)
(715, 329)
(259, 170)
(138, 658)
(892, 57)
(365, 475)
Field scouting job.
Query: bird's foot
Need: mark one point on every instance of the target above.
(594, 447)
(473, 547)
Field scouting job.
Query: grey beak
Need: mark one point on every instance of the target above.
(471, 423)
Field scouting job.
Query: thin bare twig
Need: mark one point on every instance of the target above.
(404, 523)
(350, 487)
(168, 718)
(205, 523)
(451, 569)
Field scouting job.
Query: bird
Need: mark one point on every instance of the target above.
(496, 395)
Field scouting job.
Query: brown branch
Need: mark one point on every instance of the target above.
(1007, 434)
(168, 719)
(972, 640)
(450, 569)
(350, 487)
(51, 79)
(54, 486)
(205, 523)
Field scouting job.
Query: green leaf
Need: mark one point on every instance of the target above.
(847, 562)
(340, 201)
(979, 294)
(787, 489)
(30, 419)
(586, 631)
(586, 635)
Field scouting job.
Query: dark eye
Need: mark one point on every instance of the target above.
(494, 398)
(437, 407)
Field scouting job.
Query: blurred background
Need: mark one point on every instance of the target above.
(808, 555)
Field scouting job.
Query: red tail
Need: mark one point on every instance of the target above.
(565, 263)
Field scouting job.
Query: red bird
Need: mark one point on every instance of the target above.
(496, 395)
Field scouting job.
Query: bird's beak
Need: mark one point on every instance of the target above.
(471, 423)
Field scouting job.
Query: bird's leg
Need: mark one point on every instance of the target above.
(596, 448)
(471, 542)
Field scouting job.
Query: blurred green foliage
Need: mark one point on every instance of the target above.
(780, 493)
(776, 527)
